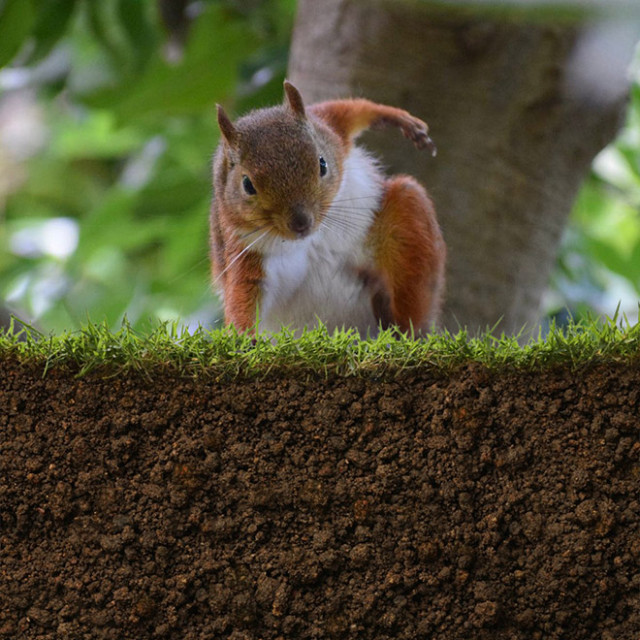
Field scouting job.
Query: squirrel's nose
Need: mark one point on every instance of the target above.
(300, 222)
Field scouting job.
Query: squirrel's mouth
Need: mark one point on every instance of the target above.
(268, 238)
(297, 225)
(300, 222)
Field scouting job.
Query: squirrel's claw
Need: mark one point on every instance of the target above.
(422, 140)
(418, 132)
(431, 145)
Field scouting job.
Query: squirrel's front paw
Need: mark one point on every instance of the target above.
(418, 132)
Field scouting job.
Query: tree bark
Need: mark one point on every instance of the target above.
(516, 118)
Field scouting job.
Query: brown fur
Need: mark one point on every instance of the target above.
(348, 118)
(410, 252)
(242, 291)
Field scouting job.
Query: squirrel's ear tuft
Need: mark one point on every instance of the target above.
(294, 99)
(227, 129)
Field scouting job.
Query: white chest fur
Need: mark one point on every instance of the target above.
(316, 277)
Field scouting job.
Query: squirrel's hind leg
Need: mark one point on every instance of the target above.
(409, 253)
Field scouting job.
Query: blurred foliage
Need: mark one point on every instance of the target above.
(124, 96)
(107, 128)
(598, 266)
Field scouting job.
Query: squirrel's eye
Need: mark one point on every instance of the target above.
(323, 167)
(247, 185)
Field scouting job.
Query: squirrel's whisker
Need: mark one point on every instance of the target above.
(239, 256)
(193, 267)
(244, 236)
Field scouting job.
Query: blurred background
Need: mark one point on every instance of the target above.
(107, 130)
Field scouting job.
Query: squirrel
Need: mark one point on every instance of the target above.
(305, 227)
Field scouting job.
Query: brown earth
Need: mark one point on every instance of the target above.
(478, 505)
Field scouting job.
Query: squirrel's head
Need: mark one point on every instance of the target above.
(277, 170)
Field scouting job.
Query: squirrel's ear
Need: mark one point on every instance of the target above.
(294, 99)
(227, 129)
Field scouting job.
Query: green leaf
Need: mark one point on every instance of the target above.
(112, 223)
(53, 188)
(173, 192)
(612, 259)
(634, 274)
(51, 25)
(95, 136)
(218, 42)
(186, 246)
(106, 21)
(16, 21)
(134, 18)
(102, 29)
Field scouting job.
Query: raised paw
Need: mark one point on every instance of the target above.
(418, 132)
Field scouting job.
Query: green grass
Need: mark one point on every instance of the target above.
(227, 353)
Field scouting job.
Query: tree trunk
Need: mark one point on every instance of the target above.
(515, 114)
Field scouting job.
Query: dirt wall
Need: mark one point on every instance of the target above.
(478, 505)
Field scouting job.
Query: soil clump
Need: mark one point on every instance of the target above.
(479, 505)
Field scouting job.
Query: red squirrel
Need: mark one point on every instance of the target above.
(306, 227)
